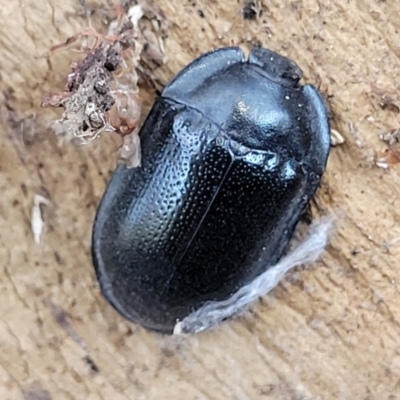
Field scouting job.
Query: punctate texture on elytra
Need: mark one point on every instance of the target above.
(232, 152)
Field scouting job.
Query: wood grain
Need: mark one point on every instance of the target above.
(330, 331)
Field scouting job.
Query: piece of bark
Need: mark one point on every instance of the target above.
(327, 332)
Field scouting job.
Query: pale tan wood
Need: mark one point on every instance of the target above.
(330, 331)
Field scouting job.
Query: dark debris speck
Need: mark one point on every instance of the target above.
(93, 367)
(248, 11)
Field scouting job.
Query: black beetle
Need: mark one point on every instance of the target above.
(232, 153)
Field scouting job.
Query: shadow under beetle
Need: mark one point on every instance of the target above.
(232, 152)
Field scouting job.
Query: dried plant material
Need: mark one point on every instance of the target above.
(392, 154)
(251, 9)
(84, 34)
(391, 157)
(336, 138)
(125, 114)
(130, 153)
(386, 100)
(391, 137)
(102, 94)
(87, 97)
(37, 222)
(214, 312)
(153, 14)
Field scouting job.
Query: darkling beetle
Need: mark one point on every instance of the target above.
(232, 153)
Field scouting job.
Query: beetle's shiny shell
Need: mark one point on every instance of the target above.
(232, 153)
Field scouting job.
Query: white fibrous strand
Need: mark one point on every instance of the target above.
(37, 222)
(214, 312)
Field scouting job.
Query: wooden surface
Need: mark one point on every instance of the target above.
(330, 331)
